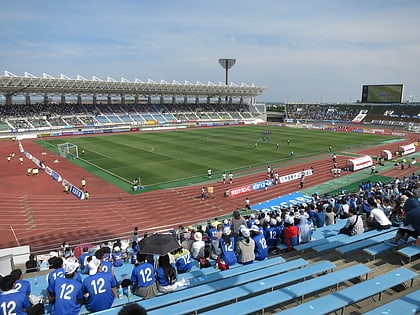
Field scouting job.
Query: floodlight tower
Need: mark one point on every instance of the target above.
(227, 64)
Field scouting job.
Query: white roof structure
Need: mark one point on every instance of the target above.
(11, 84)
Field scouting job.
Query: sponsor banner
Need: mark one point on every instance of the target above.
(54, 175)
(240, 190)
(261, 185)
(28, 155)
(77, 192)
(294, 176)
(282, 202)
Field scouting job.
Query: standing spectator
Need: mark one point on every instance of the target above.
(236, 222)
(143, 278)
(100, 287)
(261, 248)
(67, 296)
(31, 264)
(377, 218)
(135, 237)
(319, 216)
(166, 275)
(245, 248)
(227, 247)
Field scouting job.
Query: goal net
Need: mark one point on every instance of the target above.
(68, 150)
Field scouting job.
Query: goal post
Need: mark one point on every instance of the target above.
(68, 150)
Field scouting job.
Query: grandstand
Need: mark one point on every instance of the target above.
(44, 219)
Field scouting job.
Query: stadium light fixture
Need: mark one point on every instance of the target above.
(227, 64)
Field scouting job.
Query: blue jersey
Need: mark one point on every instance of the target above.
(13, 302)
(183, 261)
(228, 251)
(23, 286)
(211, 233)
(106, 266)
(261, 247)
(82, 262)
(67, 293)
(117, 259)
(161, 277)
(143, 275)
(99, 286)
(272, 235)
(52, 277)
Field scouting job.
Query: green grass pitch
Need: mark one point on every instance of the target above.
(182, 157)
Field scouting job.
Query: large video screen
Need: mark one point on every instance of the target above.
(390, 93)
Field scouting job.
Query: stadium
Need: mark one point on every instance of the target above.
(145, 148)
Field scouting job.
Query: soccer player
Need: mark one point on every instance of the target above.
(230, 178)
(209, 173)
(100, 287)
(67, 295)
(224, 178)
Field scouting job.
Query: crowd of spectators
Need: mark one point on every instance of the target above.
(321, 112)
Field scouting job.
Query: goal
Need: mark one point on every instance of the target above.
(68, 150)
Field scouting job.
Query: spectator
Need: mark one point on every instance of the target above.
(304, 230)
(166, 275)
(354, 223)
(411, 222)
(291, 234)
(135, 237)
(145, 287)
(19, 301)
(100, 287)
(197, 247)
(117, 257)
(246, 248)
(132, 309)
(106, 265)
(261, 248)
(227, 247)
(214, 244)
(330, 216)
(31, 264)
(272, 234)
(236, 222)
(183, 261)
(377, 218)
(56, 263)
(67, 296)
(82, 260)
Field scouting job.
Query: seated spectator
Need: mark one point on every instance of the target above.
(21, 285)
(82, 260)
(166, 275)
(304, 230)
(291, 234)
(117, 257)
(272, 233)
(197, 247)
(31, 264)
(261, 248)
(227, 247)
(144, 287)
(245, 248)
(183, 260)
(354, 223)
(411, 224)
(377, 218)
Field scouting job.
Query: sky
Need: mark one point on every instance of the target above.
(300, 50)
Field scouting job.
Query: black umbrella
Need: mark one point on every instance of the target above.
(158, 244)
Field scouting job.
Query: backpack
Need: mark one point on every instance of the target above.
(221, 264)
(203, 263)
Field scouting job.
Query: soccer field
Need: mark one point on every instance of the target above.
(181, 157)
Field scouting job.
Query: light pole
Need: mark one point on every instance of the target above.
(227, 64)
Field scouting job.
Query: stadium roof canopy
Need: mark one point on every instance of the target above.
(11, 84)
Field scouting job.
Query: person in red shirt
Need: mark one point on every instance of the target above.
(291, 235)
